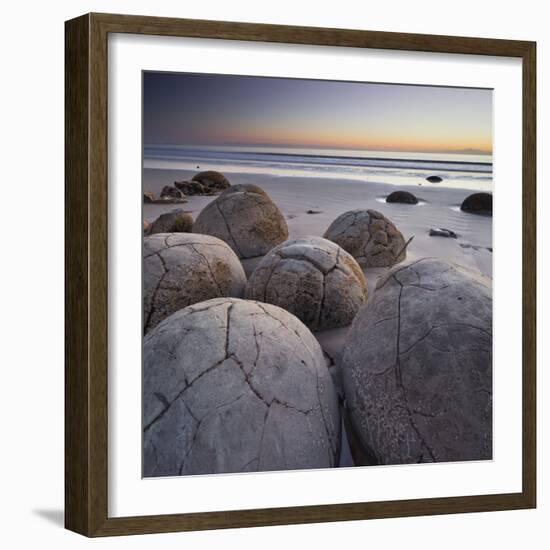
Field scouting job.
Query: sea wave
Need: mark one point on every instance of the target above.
(297, 159)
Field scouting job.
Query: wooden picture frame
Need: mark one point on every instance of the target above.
(86, 283)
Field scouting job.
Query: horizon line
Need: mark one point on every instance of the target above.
(464, 151)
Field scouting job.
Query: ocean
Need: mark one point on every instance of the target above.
(464, 171)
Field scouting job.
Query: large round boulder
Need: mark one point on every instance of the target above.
(211, 181)
(245, 218)
(177, 221)
(403, 197)
(478, 203)
(417, 367)
(314, 279)
(180, 269)
(370, 237)
(236, 386)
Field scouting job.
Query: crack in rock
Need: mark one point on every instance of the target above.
(228, 229)
(199, 417)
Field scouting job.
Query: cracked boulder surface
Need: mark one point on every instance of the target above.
(176, 221)
(370, 237)
(245, 217)
(417, 366)
(314, 279)
(180, 269)
(234, 385)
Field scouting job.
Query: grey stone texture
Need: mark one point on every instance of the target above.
(180, 269)
(370, 237)
(417, 366)
(314, 279)
(236, 386)
(246, 219)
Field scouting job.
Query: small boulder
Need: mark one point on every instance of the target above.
(434, 179)
(212, 181)
(191, 188)
(442, 232)
(180, 269)
(177, 221)
(403, 197)
(370, 237)
(236, 386)
(245, 218)
(314, 279)
(148, 197)
(417, 366)
(171, 192)
(478, 203)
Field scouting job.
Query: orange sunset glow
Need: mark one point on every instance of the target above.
(194, 109)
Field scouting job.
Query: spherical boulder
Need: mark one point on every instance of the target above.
(246, 219)
(180, 269)
(212, 181)
(370, 237)
(478, 203)
(403, 197)
(314, 279)
(417, 366)
(177, 221)
(236, 386)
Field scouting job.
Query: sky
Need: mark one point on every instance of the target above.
(225, 110)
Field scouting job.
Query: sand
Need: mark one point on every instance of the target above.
(438, 207)
(328, 197)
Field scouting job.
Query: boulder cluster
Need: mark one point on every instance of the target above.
(234, 379)
(203, 183)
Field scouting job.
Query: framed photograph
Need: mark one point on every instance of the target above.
(300, 275)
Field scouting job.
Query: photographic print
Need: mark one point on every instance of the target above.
(317, 274)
